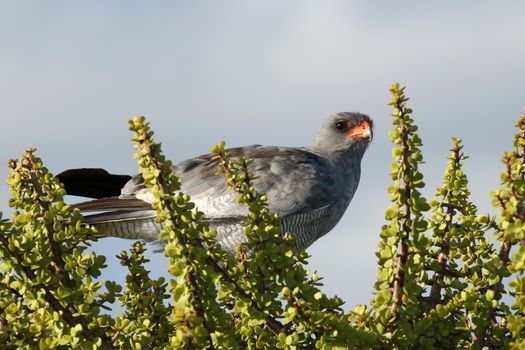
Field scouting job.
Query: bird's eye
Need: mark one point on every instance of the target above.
(341, 126)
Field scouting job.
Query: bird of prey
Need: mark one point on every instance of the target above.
(309, 187)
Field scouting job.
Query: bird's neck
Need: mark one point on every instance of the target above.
(346, 162)
(349, 164)
(346, 156)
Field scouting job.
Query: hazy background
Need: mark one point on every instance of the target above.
(269, 72)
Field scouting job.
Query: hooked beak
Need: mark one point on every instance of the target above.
(362, 131)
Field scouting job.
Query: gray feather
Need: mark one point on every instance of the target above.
(309, 187)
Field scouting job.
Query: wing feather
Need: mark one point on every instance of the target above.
(294, 180)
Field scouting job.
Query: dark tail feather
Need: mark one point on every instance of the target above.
(113, 204)
(92, 182)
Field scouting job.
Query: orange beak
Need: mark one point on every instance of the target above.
(362, 131)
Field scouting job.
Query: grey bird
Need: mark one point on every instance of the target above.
(310, 187)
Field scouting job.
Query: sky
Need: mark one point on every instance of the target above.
(263, 72)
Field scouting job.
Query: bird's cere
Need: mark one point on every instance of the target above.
(362, 131)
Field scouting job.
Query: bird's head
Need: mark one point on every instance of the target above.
(344, 132)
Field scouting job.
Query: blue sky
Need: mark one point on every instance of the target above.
(264, 72)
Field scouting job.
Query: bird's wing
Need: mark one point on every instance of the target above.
(294, 179)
